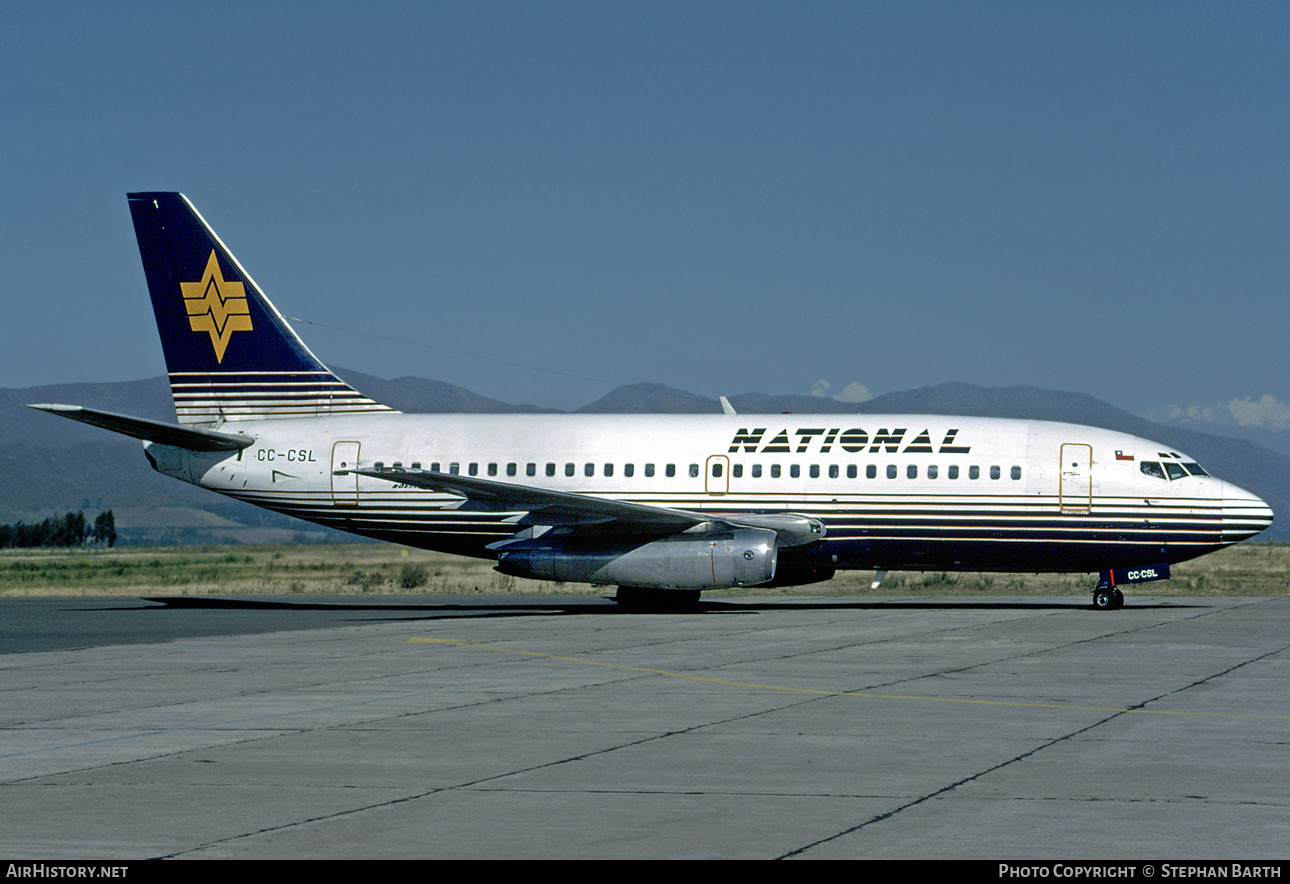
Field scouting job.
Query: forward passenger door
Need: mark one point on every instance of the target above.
(1075, 475)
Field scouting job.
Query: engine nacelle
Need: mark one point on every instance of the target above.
(711, 560)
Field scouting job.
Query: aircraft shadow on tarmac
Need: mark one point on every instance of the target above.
(53, 624)
(501, 606)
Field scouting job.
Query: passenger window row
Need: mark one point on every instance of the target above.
(775, 470)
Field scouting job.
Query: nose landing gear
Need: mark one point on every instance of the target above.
(1107, 598)
(1107, 595)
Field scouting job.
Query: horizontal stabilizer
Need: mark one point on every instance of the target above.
(191, 438)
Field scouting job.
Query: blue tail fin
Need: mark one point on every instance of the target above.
(230, 354)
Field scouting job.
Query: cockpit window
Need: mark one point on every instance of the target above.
(1172, 470)
(1151, 468)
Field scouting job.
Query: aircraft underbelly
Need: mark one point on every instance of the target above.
(1033, 538)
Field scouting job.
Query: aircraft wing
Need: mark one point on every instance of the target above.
(544, 506)
(192, 438)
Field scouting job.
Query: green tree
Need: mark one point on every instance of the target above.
(104, 529)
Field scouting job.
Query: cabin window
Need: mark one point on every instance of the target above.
(569, 469)
(550, 469)
(774, 471)
(953, 471)
(589, 469)
(435, 466)
(454, 468)
(933, 471)
(694, 471)
(974, 472)
(833, 471)
(492, 469)
(891, 471)
(649, 470)
(1016, 473)
(756, 471)
(871, 471)
(737, 471)
(852, 472)
(670, 470)
(473, 469)
(994, 472)
(629, 470)
(795, 471)
(815, 471)
(716, 470)
(512, 469)
(416, 464)
(530, 469)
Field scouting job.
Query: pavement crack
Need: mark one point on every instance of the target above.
(1037, 749)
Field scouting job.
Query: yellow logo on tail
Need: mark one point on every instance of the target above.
(216, 306)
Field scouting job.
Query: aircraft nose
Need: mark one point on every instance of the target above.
(1244, 514)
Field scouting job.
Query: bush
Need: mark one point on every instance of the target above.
(413, 576)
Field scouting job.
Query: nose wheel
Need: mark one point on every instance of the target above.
(1107, 598)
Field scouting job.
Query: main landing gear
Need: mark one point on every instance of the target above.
(1107, 597)
(640, 600)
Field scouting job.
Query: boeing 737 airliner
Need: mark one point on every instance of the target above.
(662, 506)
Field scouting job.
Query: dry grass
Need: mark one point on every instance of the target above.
(358, 568)
(339, 569)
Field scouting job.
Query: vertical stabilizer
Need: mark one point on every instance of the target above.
(229, 353)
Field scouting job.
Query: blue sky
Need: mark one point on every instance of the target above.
(722, 197)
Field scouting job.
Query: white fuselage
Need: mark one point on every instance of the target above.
(893, 491)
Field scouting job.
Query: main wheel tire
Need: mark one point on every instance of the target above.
(1103, 599)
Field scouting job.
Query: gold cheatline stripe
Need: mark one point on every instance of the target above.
(827, 693)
